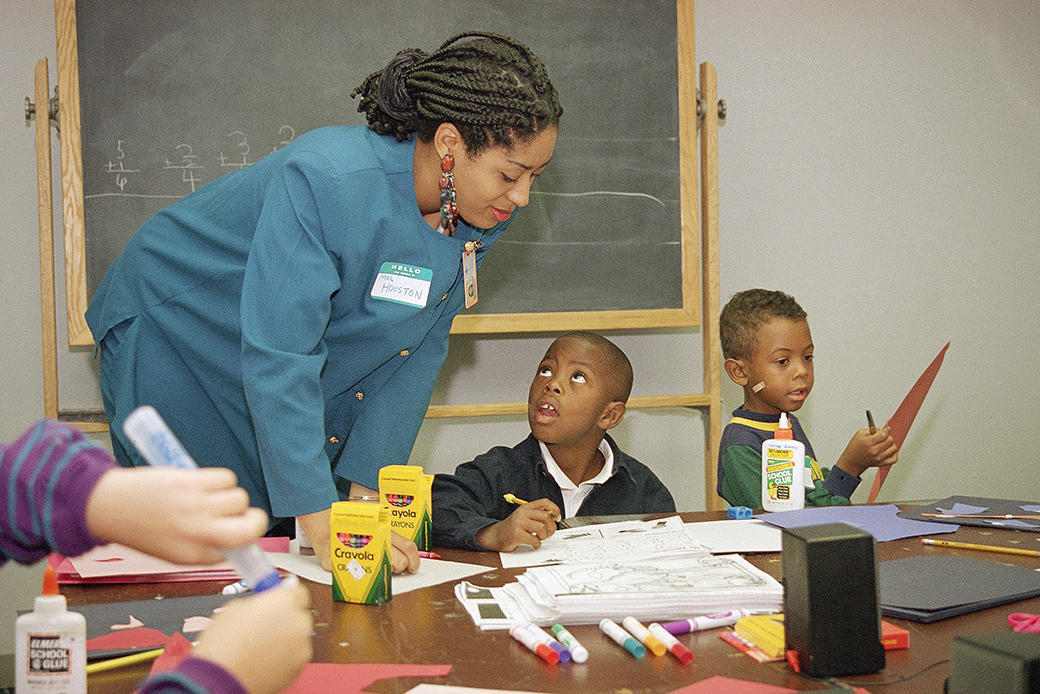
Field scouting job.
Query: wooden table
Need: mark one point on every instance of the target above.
(430, 626)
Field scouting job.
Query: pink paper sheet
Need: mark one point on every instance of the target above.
(317, 678)
(728, 685)
(337, 678)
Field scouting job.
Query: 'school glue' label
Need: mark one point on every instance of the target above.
(405, 493)
(361, 569)
(783, 470)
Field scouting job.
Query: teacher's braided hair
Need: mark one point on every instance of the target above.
(492, 88)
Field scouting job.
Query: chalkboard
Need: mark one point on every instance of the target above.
(172, 95)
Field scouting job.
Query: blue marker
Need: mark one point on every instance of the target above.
(150, 435)
(622, 638)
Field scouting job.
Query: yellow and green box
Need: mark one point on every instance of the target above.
(361, 569)
(404, 491)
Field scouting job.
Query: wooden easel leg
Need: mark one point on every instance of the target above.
(46, 202)
(709, 136)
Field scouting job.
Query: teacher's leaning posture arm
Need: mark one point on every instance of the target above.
(288, 320)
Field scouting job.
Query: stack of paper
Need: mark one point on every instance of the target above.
(652, 589)
(927, 589)
(114, 563)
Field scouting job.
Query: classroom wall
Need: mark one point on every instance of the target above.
(880, 160)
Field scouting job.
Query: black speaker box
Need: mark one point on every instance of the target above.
(832, 618)
(997, 663)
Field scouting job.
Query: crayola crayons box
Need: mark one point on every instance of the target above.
(404, 491)
(361, 568)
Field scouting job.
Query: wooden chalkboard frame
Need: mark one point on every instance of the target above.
(689, 314)
(699, 263)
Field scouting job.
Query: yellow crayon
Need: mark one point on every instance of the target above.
(113, 663)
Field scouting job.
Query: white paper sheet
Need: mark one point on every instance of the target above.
(431, 571)
(736, 536)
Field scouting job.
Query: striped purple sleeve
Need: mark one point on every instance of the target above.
(46, 478)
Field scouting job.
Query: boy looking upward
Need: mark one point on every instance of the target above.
(769, 353)
(568, 461)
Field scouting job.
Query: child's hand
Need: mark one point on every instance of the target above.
(529, 524)
(867, 450)
(404, 555)
(263, 640)
(183, 516)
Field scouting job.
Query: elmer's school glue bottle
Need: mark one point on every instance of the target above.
(50, 645)
(783, 470)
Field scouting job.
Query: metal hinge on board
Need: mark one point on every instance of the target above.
(52, 111)
(702, 107)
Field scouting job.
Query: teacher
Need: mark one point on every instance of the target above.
(288, 320)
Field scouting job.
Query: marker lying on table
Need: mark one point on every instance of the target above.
(622, 638)
(684, 654)
(635, 628)
(579, 653)
(709, 621)
(546, 638)
(150, 435)
(534, 644)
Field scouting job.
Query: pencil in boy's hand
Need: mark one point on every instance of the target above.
(870, 423)
(513, 499)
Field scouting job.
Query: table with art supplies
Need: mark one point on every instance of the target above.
(442, 630)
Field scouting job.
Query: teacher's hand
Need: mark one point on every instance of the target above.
(316, 526)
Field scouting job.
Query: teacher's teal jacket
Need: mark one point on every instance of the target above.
(271, 318)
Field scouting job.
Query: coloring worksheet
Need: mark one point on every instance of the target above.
(624, 540)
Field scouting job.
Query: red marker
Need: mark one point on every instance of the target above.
(680, 651)
(535, 645)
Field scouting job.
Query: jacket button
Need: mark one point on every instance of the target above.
(403, 353)
(359, 395)
(333, 439)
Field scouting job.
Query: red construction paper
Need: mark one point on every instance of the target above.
(904, 415)
(178, 647)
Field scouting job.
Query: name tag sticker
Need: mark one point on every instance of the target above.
(403, 284)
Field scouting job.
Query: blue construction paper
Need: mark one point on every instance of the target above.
(880, 521)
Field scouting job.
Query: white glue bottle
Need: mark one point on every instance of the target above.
(50, 645)
(783, 470)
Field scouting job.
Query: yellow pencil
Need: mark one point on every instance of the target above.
(513, 500)
(985, 548)
(113, 663)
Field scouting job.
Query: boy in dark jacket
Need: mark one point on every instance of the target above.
(568, 465)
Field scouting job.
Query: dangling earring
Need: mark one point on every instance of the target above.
(449, 210)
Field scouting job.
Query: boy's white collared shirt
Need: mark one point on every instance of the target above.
(574, 495)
